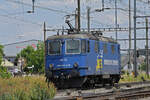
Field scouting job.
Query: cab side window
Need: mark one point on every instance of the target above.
(119, 49)
(105, 48)
(88, 46)
(83, 46)
(113, 49)
(96, 46)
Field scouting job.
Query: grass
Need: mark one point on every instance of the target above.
(35, 87)
(130, 77)
(26, 88)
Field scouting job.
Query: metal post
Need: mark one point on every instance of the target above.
(88, 18)
(116, 18)
(78, 1)
(62, 30)
(44, 44)
(33, 6)
(58, 32)
(135, 62)
(147, 53)
(76, 19)
(102, 4)
(21, 62)
(129, 63)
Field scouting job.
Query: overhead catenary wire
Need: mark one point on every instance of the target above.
(13, 14)
(40, 7)
(54, 10)
(19, 19)
(140, 11)
(22, 20)
(143, 1)
(60, 11)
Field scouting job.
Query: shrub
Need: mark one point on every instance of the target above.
(1, 54)
(26, 88)
(130, 77)
(4, 73)
(6, 96)
(40, 92)
(142, 66)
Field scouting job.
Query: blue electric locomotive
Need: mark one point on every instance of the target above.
(77, 60)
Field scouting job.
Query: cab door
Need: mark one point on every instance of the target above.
(91, 59)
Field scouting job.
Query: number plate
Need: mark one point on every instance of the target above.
(106, 76)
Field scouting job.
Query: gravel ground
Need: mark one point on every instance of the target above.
(145, 98)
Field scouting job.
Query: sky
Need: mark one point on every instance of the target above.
(18, 25)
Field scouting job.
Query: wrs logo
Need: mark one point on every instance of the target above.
(33, 45)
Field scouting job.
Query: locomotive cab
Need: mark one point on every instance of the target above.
(65, 59)
(65, 53)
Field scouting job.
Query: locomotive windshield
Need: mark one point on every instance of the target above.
(54, 47)
(72, 46)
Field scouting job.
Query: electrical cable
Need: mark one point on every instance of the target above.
(22, 20)
(40, 7)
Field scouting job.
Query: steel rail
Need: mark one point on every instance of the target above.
(105, 95)
(116, 95)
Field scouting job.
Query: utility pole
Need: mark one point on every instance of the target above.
(129, 63)
(135, 62)
(78, 2)
(116, 25)
(62, 30)
(102, 4)
(33, 1)
(44, 29)
(76, 19)
(147, 53)
(32, 11)
(146, 47)
(88, 18)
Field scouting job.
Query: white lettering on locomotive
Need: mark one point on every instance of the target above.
(110, 62)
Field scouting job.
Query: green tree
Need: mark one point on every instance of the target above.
(4, 73)
(39, 58)
(33, 57)
(1, 54)
(3, 70)
(143, 66)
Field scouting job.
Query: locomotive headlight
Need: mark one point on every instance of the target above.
(50, 65)
(75, 65)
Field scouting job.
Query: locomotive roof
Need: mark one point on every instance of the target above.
(82, 36)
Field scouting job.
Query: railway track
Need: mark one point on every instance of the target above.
(122, 91)
(128, 94)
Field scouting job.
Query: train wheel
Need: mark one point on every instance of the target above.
(76, 82)
(112, 81)
(90, 83)
(103, 82)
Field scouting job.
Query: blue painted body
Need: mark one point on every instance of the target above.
(109, 62)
